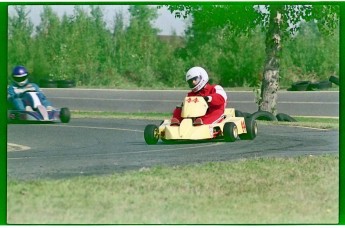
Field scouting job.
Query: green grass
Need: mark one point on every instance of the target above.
(310, 122)
(255, 191)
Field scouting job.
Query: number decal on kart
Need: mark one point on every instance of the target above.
(195, 100)
(243, 125)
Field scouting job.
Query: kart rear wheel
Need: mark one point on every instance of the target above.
(252, 129)
(151, 134)
(65, 115)
(230, 132)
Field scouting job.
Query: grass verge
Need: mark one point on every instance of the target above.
(257, 191)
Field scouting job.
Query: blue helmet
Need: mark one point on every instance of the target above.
(20, 75)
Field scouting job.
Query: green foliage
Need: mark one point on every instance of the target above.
(310, 56)
(20, 45)
(227, 40)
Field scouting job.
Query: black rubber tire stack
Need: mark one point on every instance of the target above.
(48, 83)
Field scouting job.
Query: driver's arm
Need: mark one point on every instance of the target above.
(16, 92)
(219, 96)
(11, 93)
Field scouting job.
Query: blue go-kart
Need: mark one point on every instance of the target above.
(36, 112)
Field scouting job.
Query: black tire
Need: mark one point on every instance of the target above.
(66, 83)
(48, 83)
(252, 129)
(263, 115)
(313, 86)
(246, 114)
(230, 132)
(151, 134)
(324, 85)
(300, 86)
(334, 79)
(285, 117)
(65, 115)
(238, 113)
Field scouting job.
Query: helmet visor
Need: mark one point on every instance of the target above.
(20, 79)
(193, 82)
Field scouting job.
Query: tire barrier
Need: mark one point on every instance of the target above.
(66, 83)
(264, 115)
(241, 114)
(334, 80)
(311, 86)
(285, 117)
(300, 86)
(324, 84)
(50, 83)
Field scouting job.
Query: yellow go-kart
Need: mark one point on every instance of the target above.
(229, 129)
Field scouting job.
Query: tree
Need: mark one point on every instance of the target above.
(141, 45)
(50, 54)
(20, 29)
(278, 22)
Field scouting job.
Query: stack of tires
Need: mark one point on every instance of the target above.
(334, 80)
(310, 86)
(264, 115)
(50, 83)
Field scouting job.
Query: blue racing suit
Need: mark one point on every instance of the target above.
(16, 95)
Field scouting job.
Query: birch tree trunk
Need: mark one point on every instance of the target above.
(270, 80)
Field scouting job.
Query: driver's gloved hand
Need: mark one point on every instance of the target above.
(207, 98)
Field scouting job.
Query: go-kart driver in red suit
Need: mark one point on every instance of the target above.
(214, 95)
(21, 85)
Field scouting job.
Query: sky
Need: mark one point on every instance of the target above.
(166, 21)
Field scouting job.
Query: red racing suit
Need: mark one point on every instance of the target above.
(217, 104)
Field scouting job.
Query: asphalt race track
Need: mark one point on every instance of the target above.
(104, 146)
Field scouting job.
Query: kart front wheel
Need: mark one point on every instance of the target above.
(151, 134)
(230, 132)
(65, 115)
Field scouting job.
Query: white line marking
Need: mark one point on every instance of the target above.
(170, 149)
(321, 117)
(114, 99)
(147, 100)
(311, 128)
(138, 152)
(123, 90)
(229, 90)
(16, 147)
(103, 128)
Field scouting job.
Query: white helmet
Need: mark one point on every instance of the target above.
(199, 74)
